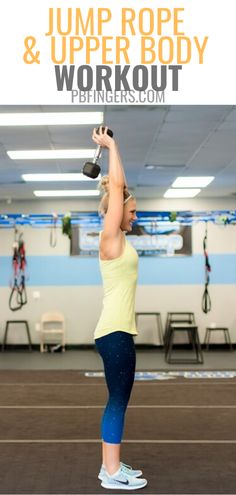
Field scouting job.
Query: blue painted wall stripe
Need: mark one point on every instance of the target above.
(75, 271)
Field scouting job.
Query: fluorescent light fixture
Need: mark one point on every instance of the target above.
(150, 167)
(64, 193)
(181, 193)
(51, 154)
(56, 177)
(51, 118)
(192, 181)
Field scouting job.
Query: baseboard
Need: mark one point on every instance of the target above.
(79, 347)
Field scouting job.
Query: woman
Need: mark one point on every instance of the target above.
(116, 326)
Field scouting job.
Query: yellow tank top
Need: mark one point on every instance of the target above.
(119, 284)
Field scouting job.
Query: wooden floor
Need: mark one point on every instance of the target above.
(180, 432)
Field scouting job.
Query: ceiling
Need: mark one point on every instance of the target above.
(180, 140)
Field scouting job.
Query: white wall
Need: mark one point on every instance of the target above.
(82, 304)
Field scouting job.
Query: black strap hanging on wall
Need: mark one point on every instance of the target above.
(206, 300)
(18, 295)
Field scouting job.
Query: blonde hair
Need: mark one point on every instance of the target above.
(104, 187)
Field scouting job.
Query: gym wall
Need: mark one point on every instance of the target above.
(73, 284)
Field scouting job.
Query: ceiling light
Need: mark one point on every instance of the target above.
(51, 118)
(181, 193)
(150, 167)
(50, 154)
(192, 181)
(64, 193)
(56, 177)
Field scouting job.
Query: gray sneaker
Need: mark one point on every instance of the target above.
(125, 468)
(122, 481)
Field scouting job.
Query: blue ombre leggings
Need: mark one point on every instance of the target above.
(118, 354)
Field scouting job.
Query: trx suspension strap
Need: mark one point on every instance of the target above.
(18, 296)
(206, 300)
(22, 296)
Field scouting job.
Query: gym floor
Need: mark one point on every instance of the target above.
(180, 432)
